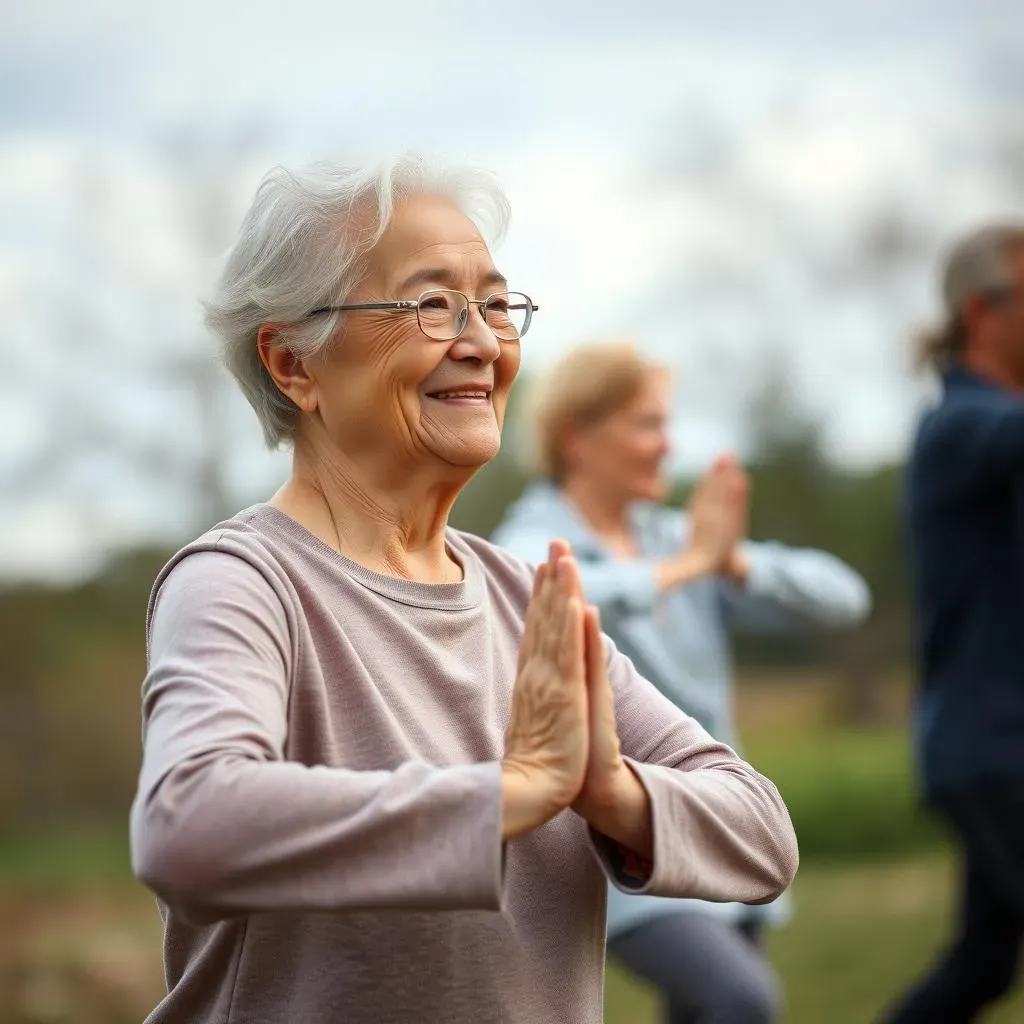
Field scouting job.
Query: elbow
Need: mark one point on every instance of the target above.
(778, 867)
(171, 861)
(852, 608)
(170, 864)
(859, 604)
(177, 850)
(786, 862)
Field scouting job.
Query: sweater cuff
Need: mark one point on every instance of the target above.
(483, 855)
(760, 580)
(664, 874)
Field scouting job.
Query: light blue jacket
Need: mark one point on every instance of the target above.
(679, 640)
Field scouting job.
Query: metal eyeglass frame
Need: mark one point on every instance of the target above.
(409, 304)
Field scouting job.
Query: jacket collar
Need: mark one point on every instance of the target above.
(960, 379)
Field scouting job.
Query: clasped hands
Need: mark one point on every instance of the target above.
(718, 512)
(562, 745)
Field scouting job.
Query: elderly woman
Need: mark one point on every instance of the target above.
(670, 587)
(386, 768)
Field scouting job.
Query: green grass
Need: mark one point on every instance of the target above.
(850, 793)
(861, 933)
(62, 859)
(872, 897)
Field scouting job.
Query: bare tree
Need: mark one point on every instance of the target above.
(99, 356)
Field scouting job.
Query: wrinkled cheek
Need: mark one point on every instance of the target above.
(411, 422)
(500, 408)
(509, 363)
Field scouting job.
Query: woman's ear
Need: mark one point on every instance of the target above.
(286, 369)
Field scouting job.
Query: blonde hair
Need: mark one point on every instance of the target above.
(977, 264)
(587, 385)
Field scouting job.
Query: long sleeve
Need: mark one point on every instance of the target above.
(614, 586)
(788, 588)
(223, 824)
(721, 830)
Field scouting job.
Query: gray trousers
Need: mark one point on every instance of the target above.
(708, 971)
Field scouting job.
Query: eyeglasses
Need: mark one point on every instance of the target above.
(1003, 295)
(442, 313)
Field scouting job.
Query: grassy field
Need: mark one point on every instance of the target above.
(87, 951)
(80, 942)
(860, 935)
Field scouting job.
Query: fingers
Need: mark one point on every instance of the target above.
(538, 579)
(553, 629)
(566, 622)
(538, 611)
(571, 661)
(558, 549)
(593, 646)
(603, 732)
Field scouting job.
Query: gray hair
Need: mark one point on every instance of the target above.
(977, 264)
(302, 246)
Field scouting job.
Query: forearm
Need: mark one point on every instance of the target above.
(626, 817)
(233, 835)
(719, 830)
(524, 802)
(680, 570)
(720, 834)
(771, 587)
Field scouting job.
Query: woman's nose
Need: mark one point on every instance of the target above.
(477, 340)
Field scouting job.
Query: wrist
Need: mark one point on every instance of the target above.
(623, 813)
(737, 569)
(527, 801)
(688, 566)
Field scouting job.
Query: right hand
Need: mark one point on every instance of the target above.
(718, 514)
(547, 740)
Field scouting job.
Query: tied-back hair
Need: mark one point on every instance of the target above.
(978, 265)
(302, 246)
(587, 385)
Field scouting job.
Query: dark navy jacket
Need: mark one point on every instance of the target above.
(965, 514)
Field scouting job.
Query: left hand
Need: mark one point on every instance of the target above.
(737, 486)
(605, 765)
(613, 800)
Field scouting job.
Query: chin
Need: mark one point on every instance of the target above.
(471, 452)
(653, 490)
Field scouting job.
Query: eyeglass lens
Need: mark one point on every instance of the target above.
(443, 314)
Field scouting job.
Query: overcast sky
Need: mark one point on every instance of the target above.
(704, 178)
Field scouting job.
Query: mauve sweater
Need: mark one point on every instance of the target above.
(319, 804)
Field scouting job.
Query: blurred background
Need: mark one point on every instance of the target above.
(757, 193)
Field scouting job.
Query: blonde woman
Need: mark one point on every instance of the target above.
(671, 587)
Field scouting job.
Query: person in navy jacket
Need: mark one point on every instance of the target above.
(965, 521)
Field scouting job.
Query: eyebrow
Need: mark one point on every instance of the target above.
(430, 275)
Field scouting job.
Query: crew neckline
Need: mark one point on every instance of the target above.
(459, 596)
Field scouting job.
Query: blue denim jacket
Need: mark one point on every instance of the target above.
(680, 640)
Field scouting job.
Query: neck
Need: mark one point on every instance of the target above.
(392, 522)
(983, 365)
(606, 513)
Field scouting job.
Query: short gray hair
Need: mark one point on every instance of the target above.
(302, 245)
(977, 264)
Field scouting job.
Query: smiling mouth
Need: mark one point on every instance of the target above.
(462, 396)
